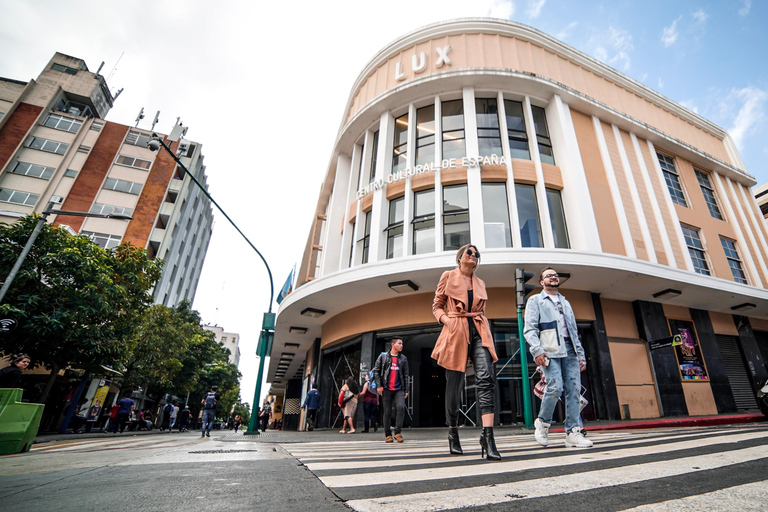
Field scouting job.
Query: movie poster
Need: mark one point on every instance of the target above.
(690, 360)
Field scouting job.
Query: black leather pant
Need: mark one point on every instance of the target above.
(485, 384)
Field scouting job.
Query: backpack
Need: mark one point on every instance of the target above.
(210, 401)
(167, 408)
(371, 383)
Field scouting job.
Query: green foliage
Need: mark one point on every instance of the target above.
(76, 303)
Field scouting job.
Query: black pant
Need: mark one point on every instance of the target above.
(311, 418)
(386, 406)
(484, 384)
(122, 419)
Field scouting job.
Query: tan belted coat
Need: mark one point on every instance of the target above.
(452, 346)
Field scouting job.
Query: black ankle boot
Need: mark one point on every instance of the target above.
(366, 426)
(453, 441)
(488, 444)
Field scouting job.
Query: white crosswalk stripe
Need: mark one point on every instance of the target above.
(419, 475)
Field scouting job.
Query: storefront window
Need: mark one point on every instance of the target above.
(557, 216)
(488, 133)
(424, 222)
(455, 217)
(395, 228)
(400, 149)
(518, 138)
(425, 135)
(528, 213)
(453, 129)
(496, 215)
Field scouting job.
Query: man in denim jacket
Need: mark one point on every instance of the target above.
(551, 332)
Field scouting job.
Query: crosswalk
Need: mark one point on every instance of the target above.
(668, 469)
(110, 443)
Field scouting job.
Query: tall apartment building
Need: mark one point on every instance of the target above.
(56, 145)
(493, 133)
(228, 340)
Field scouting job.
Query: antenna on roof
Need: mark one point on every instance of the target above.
(100, 66)
(114, 68)
(154, 122)
(139, 117)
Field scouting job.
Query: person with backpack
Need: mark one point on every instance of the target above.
(392, 380)
(370, 402)
(312, 404)
(209, 410)
(167, 411)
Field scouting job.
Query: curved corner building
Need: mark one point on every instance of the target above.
(491, 132)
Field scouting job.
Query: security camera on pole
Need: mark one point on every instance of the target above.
(521, 292)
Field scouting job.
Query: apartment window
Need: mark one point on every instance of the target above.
(34, 170)
(518, 138)
(709, 194)
(66, 124)
(129, 187)
(455, 217)
(453, 129)
(425, 135)
(18, 197)
(108, 209)
(97, 126)
(424, 222)
(374, 157)
(729, 247)
(542, 136)
(498, 232)
(64, 69)
(528, 215)
(672, 178)
(70, 173)
(138, 138)
(130, 161)
(696, 249)
(557, 216)
(395, 228)
(400, 149)
(365, 242)
(488, 131)
(50, 146)
(103, 240)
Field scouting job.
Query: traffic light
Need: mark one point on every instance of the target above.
(522, 289)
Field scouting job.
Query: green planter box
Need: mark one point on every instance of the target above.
(18, 422)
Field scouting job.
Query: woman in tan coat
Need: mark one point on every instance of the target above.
(460, 306)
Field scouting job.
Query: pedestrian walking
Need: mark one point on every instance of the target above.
(167, 412)
(349, 404)
(174, 415)
(392, 378)
(112, 426)
(10, 375)
(126, 406)
(312, 404)
(237, 422)
(551, 332)
(370, 402)
(266, 411)
(209, 402)
(459, 306)
(184, 419)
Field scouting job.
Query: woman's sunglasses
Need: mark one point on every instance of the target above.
(475, 253)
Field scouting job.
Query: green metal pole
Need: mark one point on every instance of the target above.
(527, 406)
(263, 350)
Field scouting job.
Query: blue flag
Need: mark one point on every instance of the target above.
(287, 287)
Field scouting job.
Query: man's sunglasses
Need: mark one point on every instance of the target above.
(475, 253)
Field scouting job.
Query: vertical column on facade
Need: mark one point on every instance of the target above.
(671, 209)
(408, 194)
(577, 202)
(749, 347)
(656, 210)
(746, 254)
(438, 176)
(541, 188)
(756, 221)
(718, 377)
(332, 246)
(352, 183)
(652, 325)
(747, 226)
(377, 249)
(511, 195)
(637, 205)
(367, 360)
(610, 174)
(605, 396)
(474, 180)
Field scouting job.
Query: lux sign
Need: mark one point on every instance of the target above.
(419, 62)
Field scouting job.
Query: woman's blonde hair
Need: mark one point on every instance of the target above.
(461, 252)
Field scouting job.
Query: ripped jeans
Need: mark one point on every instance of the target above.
(562, 370)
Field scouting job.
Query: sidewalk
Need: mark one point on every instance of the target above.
(318, 435)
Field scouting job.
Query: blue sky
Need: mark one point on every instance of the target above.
(236, 73)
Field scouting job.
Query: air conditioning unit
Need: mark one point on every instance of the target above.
(183, 147)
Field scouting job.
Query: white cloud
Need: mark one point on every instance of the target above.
(566, 32)
(501, 9)
(669, 35)
(660, 83)
(745, 9)
(612, 47)
(751, 114)
(534, 8)
(700, 17)
(690, 105)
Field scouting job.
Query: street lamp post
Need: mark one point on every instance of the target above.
(268, 322)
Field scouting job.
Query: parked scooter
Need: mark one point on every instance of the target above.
(762, 398)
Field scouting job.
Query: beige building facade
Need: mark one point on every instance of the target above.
(228, 340)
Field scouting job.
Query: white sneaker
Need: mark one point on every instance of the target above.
(576, 439)
(542, 432)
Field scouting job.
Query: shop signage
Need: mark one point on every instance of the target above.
(419, 62)
(671, 341)
(450, 163)
(690, 360)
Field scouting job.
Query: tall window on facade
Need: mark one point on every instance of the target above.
(498, 232)
(137, 138)
(400, 148)
(359, 168)
(729, 247)
(528, 215)
(425, 135)
(557, 216)
(374, 157)
(424, 222)
(395, 228)
(488, 131)
(66, 124)
(34, 170)
(518, 138)
(709, 194)
(542, 136)
(51, 146)
(18, 197)
(453, 129)
(672, 178)
(455, 217)
(365, 241)
(696, 249)
(351, 244)
(103, 240)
